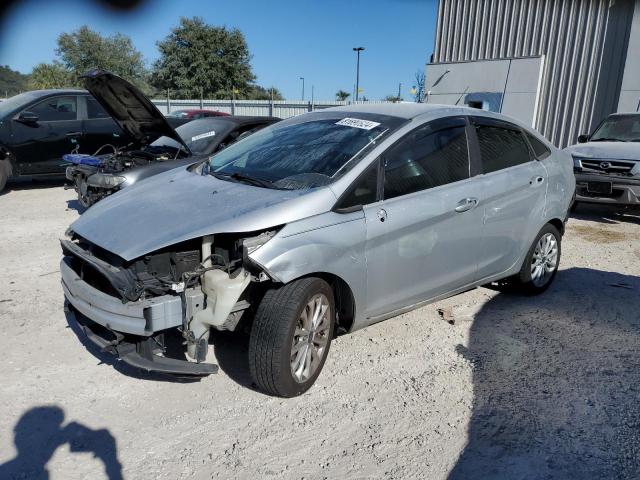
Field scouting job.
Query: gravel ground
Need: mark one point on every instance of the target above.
(517, 388)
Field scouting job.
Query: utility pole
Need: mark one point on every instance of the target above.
(302, 78)
(399, 90)
(358, 50)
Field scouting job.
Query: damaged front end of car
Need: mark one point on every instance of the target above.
(156, 312)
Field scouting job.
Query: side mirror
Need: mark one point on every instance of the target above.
(583, 138)
(28, 117)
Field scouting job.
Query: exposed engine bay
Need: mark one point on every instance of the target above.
(210, 278)
(97, 176)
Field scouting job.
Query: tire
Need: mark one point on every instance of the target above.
(276, 332)
(4, 174)
(525, 281)
(574, 207)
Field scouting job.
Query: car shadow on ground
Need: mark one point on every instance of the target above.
(122, 367)
(556, 382)
(40, 431)
(232, 354)
(76, 205)
(608, 214)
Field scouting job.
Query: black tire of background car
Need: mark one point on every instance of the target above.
(4, 174)
(522, 281)
(574, 207)
(272, 335)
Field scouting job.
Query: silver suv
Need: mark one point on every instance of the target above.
(313, 227)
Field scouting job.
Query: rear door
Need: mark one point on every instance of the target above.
(514, 188)
(423, 236)
(39, 147)
(99, 128)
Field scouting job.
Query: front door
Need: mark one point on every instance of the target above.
(423, 237)
(39, 146)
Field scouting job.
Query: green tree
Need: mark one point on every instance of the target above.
(51, 75)
(199, 58)
(12, 82)
(256, 92)
(341, 95)
(84, 49)
(392, 98)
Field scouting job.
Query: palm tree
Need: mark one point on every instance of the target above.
(341, 95)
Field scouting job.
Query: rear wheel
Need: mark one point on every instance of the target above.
(291, 335)
(541, 263)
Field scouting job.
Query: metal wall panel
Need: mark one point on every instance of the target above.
(575, 37)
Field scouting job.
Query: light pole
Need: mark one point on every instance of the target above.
(357, 50)
(302, 78)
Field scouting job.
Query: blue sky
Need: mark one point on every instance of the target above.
(288, 39)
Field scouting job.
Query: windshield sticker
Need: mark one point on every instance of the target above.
(203, 135)
(358, 123)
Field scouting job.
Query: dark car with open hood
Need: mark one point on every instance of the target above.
(156, 146)
(38, 127)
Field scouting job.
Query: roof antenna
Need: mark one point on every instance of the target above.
(462, 95)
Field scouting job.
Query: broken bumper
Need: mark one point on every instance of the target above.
(143, 317)
(127, 330)
(607, 189)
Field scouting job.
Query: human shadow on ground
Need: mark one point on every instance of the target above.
(40, 431)
(556, 382)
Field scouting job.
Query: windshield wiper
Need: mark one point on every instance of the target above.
(606, 139)
(259, 182)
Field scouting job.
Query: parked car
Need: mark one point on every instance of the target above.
(97, 176)
(315, 226)
(194, 114)
(37, 128)
(607, 162)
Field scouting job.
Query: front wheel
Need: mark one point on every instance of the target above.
(291, 335)
(541, 263)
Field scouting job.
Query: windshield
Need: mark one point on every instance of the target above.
(11, 104)
(303, 152)
(199, 135)
(619, 128)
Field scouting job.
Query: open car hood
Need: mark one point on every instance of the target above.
(131, 110)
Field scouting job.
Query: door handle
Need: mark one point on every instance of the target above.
(382, 214)
(74, 134)
(466, 204)
(536, 180)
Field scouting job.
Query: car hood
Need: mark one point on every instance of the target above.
(607, 150)
(180, 205)
(130, 109)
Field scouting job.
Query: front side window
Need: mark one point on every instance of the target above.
(501, 145)
(308, 151)
(363, 191)
(432, 155)
(55, 109)
(618, 128)
(95, 110)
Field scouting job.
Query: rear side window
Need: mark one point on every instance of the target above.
(432, 155)
(56, 108)
(540, 150)
(94, 109)
(502, 145)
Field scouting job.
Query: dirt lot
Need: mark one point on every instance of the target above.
(517, 388)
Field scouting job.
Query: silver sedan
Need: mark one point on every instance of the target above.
(313, 227)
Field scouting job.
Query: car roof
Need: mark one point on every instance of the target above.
(625, 114)
(406, 109)
(57, 91)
